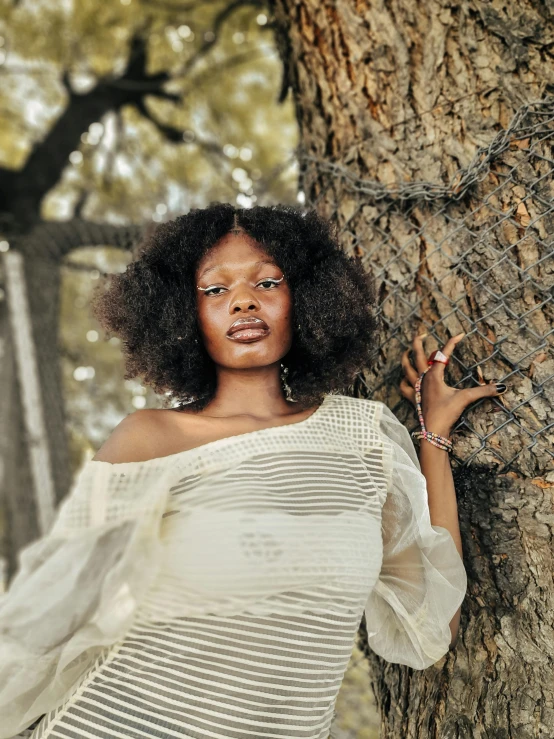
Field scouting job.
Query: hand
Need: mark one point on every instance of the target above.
(441, 405)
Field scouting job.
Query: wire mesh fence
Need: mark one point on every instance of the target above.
(475, 255)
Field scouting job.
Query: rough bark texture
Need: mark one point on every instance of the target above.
(407, 92)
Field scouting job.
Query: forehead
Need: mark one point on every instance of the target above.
(233, 252)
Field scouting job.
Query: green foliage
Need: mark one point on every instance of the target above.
(215, 133)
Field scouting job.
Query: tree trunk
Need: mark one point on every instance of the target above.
(392, 102)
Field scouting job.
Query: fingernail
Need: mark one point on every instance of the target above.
(422, 336)
(501, 388)
(462, 334)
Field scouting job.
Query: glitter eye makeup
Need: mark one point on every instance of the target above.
(218, 287)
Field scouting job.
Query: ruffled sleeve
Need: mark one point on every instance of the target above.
(422, 581)
(76, 589)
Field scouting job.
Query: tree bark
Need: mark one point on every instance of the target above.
(392, 100)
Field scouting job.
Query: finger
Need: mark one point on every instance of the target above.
(419, 353)
(407, 390)
(471, 394)
(451, 344)
(438, 368)
(409, 371)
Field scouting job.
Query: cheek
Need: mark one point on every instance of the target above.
(281, 308)
(210, 320)
(279, 316)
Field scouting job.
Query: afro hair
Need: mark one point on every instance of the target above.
(151, 306)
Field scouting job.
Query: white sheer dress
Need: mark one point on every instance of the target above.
(217, 592)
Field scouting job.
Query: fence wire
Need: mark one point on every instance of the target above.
(475, 255)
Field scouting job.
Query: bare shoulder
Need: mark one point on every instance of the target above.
(133, 439)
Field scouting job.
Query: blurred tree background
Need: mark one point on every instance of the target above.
(117, 113)
(123, 113)
(202, 123)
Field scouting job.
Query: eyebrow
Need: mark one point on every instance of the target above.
(222, 266)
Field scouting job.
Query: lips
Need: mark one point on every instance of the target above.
(249, 324)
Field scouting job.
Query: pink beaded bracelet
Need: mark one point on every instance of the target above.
(442, 442)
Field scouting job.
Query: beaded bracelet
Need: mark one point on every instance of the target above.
(442, 442)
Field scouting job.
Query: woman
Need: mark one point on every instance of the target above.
(207, 575)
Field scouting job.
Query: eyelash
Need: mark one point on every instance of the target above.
(217, 287)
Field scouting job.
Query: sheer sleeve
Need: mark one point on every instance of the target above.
(422, 581)
(76, 588)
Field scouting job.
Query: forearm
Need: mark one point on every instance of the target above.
(443, 508)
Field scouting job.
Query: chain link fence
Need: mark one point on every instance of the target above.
(475, 255)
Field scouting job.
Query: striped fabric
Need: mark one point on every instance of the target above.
(272, 544)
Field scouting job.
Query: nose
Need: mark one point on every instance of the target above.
(243, 300)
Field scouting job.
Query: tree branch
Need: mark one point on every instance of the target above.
(23, 190)
(220, 19)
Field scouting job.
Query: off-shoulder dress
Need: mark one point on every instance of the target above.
(217, 592)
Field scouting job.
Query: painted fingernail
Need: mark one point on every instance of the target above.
(501, 388)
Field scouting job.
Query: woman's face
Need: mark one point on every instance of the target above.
(242, 279)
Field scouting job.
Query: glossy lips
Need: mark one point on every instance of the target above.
(248, 329)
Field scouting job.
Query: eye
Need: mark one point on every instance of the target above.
(208, 290)
(269, 280)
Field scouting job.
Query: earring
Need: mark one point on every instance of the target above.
(286, 386)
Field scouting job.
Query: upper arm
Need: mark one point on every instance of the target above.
(130, 441)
